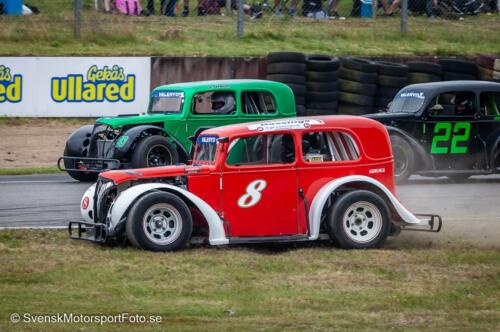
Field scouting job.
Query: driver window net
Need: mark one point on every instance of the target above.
(329, 146)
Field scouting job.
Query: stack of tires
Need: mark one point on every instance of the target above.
(358, 85)
(391, 78)
(423, 72)
(322, 82)
(289, 68)
(489, 67)
(457, 70)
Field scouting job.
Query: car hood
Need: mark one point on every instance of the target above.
(120, 176)
(119, 121)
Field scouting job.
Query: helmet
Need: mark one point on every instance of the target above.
(223, 103)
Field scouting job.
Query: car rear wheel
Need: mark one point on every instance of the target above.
(358, 220)
(154, 151)
(159, 221)
(404, 158)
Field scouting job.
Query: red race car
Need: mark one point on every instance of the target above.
(296, 179)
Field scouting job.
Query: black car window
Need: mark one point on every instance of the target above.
(261, 150)
(329, 146)
(214, 103)
(258, 102)
(490, 103)
(460, 103)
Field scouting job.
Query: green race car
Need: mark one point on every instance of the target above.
(176, 115)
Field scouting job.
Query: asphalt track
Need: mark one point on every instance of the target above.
(470, 209)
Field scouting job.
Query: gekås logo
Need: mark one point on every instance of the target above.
(99, 85)
(10, 86)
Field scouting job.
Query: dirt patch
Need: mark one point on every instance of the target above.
(34, 142)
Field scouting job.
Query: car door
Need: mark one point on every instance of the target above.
(451, 131)
(489, 123)
(259, 186)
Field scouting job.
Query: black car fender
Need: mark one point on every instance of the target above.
(79, 141)
(424, 161)
(135, 133)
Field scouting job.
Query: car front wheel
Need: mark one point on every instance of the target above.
(154, 151)
(358, 220)
(159, 221)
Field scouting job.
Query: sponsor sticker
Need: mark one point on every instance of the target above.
(207, 139)
(377, 170)
(285, 124)
(419, 95)
(10, 86)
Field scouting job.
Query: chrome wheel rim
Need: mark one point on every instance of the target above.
(162, 224)
(362, 222)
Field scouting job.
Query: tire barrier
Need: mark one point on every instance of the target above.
(289, 68)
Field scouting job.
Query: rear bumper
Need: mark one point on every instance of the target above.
(94, 232)
(428, 223)
(88, 165)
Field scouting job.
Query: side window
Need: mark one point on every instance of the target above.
(258, 102)
(329, 146)
(261, 150)
(490, 103)
(461, 103)
(214, 103)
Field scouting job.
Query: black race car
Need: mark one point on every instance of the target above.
(444, 128)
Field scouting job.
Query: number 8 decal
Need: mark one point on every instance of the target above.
(253, 194)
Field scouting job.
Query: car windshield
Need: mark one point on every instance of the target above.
(167, 101)
(206, 146)
(407, 101)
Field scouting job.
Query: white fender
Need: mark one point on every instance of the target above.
(320, 199)
(217, 235)
(89, 205)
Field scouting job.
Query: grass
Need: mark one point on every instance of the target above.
(51, 33)
(290, 288)
(29, 170)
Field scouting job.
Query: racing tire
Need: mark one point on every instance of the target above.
(382, 102)
(458, 66)
(284, 78)
(358, 220)
(356, 99)
(351, 109)
(321, 97)
(323, 86)
(358, 76)
(404, 158)
(360, 64)
(389, 93)
(313, 111)
(425, 67)
(358, 87)
(392, 69)
(79, 176)
(300, 100)
(330, 105)
(322, 63)
(392, 81)
(317, 76)
(451, 76)
(286, 57)
(159, 221)
(289, 68)
(298, 89)
(300, 110)
(154, 151)
(414, 78)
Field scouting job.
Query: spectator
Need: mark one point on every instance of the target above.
(292, 11)
(332, 10)
(167, 7)
(418, 6)
(103, 6)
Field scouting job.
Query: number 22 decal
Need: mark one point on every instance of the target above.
(253, 194)
(443, 131)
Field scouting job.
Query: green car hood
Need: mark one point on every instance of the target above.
(120, 121)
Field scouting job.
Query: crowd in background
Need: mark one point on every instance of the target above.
(309, 8)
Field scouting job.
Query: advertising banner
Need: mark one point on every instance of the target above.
(74, 86)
